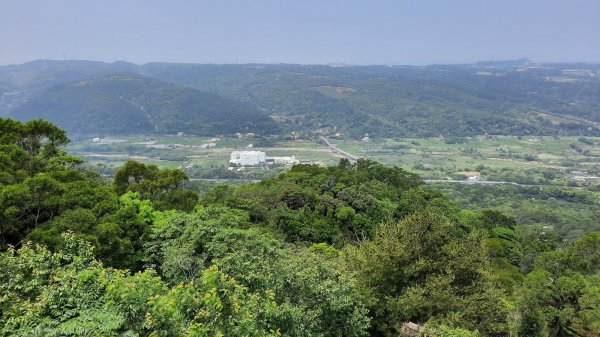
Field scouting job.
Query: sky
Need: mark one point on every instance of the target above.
(395, 32)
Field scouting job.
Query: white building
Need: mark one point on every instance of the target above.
(283, 160)
(247, 158)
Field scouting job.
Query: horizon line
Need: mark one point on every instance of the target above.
(597, 62)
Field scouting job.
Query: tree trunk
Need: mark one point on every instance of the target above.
(555, 329)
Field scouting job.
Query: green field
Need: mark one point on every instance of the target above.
(187, 152)
(539, 186)
(525, 160)
(558, 161)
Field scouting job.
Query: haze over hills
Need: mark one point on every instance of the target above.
(510, 97)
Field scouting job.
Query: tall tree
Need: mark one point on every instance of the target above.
(425, 268)
(166, 188)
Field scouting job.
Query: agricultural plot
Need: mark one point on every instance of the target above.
(542, 181)
(558, 161)
(200, 157)
(572, 161)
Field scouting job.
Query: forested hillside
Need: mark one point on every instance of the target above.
(404, 101)
(356, 249)
(131, 104)
(41, 74)
(383, 101)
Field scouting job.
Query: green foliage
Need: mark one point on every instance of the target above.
(55, 294)
(425, 268)
(55, 195)
(312, 294)
(532, 324)
(562, 292)
(217, 306)
(317, 204)
(166, 188)
(351, 250)
(69, 293)
(36, 142)
(557, 215)
(446, 331)
(116, 229)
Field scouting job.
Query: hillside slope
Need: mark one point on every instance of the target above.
(386, 101)
(128, 103)
(383, 101)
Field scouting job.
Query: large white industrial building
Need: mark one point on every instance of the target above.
(254, 158)
(247, 158)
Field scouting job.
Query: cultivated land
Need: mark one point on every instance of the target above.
(194, 154)
(542, 181)
(557, 161)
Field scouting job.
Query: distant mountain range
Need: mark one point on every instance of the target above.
(383, 101)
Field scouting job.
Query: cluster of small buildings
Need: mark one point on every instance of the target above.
(257, 158)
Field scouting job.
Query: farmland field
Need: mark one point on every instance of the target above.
(558, 161)
(541, 180)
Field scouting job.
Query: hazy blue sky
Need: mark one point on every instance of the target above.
(302, 31)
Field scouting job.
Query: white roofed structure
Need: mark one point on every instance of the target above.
(247, 158)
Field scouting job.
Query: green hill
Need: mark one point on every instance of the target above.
(128, 103)
(383, 101)
(455, 100)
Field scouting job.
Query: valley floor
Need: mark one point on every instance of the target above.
(507, 173)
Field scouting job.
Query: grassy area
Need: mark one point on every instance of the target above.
(536, 160)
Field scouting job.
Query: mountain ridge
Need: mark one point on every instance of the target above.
(127, 103)
(382, 101)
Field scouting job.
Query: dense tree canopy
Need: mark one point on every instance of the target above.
(326, 204)
(166, 188)
(358, 249)
(69, 293)
(125, 103)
